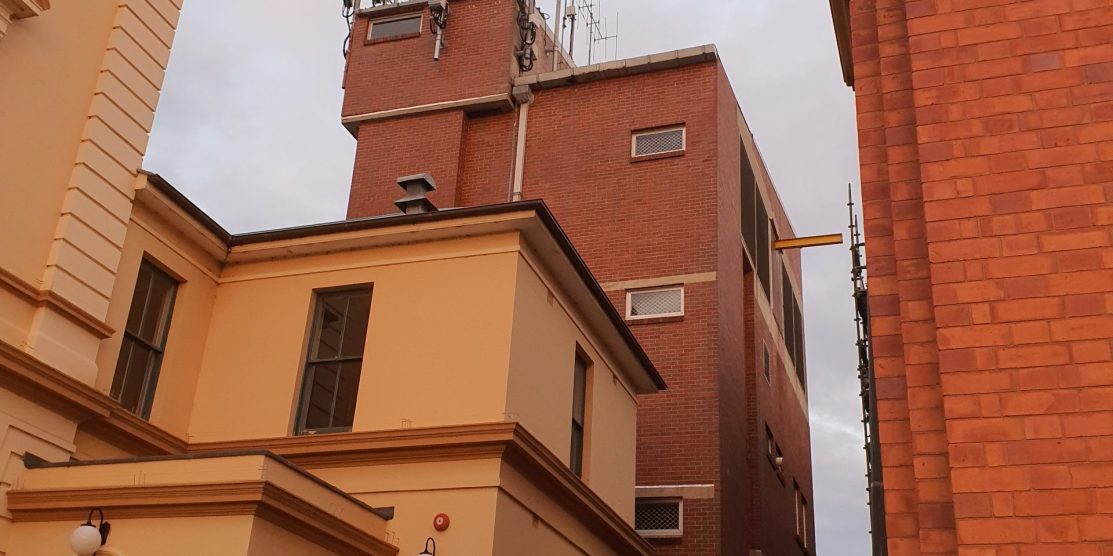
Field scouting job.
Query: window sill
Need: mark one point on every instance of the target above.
(392, 39)
(658, 156)
(654, 320)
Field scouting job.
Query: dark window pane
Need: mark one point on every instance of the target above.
(144, 340)
(330, 327)
(355, 329)
(395, 27)
(318, 414)
(577, 463)
(761, 247)
(158, 307)
(139, 299)
(137, 368)
(579, 391)
(749, 203)
(346, 391)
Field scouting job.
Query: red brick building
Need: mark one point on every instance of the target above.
(986, 143)
(651, 170)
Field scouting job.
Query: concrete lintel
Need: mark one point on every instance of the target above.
(619, 68)
(685, 492)
(476, 104)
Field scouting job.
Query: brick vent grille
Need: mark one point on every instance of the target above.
(658, 142)
(656, 303)
(658, 516)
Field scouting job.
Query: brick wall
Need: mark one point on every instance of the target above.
(986, 177)
(635, 220)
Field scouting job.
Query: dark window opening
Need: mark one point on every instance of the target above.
(749, 202)
(393, 28)
(767, 363)
(579, 415)
(763, 254)
(334, 361)
(145, 335)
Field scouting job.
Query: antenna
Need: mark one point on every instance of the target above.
(599, 35)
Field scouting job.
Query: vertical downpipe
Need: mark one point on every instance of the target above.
(520, 152)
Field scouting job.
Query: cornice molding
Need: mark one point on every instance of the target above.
(92, 409)
(259, 498)
(47, 298)
(506, 440)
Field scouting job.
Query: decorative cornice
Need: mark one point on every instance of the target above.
(502, 102)
(259, 498)
(92, 409)
(506, 440)
(48, 298)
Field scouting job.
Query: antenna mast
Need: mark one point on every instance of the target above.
(598, 33)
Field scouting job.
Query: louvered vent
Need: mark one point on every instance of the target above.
(660, 302)
(660, 141)
(658, 518)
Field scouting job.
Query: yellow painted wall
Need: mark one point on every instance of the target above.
(436, 352)
(529, 517)
(57, 58)
(543, 350)
(178, 536)
(268, 539)
(197, 273)
(466, 490)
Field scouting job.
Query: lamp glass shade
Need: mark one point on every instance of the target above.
(85, 540)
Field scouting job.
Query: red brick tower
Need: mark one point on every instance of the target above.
(986, 137)
(650, 168)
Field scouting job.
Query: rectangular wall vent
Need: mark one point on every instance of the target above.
(658, 302)
(659, 141)
(659, 518)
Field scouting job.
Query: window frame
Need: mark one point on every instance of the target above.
(420, 16)
(630, 306)
(767, 362)
(682, 128)
(309, 362)
(150, 379)
(577, 459)
(661, 533)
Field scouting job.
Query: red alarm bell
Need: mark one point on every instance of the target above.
(440, 522)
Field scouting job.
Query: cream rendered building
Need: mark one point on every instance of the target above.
(333, 389)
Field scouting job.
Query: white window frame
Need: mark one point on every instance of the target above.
(630, 305)
(663, 533)
(420, 16)
(683, 139)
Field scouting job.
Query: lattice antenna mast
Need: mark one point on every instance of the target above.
(867, 382)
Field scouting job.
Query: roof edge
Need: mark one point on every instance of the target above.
(840, 15)
(621, 68)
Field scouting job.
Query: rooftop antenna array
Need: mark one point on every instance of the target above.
(600, 37)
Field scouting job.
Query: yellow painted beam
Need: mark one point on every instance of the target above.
(803, 242)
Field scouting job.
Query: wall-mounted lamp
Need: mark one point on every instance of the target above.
(87, 539)
(427, 551)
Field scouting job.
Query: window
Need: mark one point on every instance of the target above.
(579, 415)
(148, 324)
(773, 452)
(659, 141)
(658, 302)
(657, 518)
(334, 360)
(394, 28)
(762, 246)
(801, 515)
(749, 200)
(766, 362)
(793, 326)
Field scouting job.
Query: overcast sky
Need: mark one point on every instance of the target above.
(248, 128)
